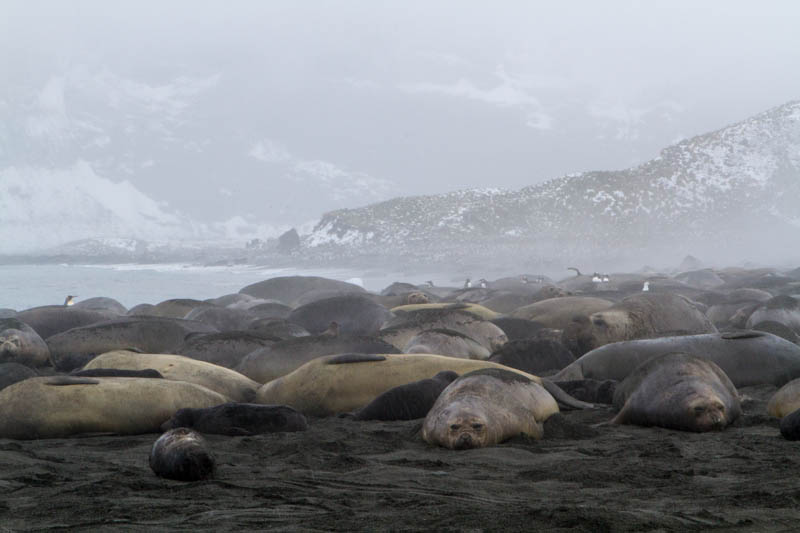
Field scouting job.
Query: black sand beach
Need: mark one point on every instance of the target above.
(341, 474)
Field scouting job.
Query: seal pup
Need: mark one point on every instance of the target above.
(237, 419)
(409, 401)
(182, 454)
(486, 407)
(677, 391)
(19, 343)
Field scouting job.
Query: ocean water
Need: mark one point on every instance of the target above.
(24, 286)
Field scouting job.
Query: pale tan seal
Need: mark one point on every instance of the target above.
(486, 407)
(60, 406)
(223, 380)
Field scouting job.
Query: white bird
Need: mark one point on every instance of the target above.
(646, 286)
(70, 300)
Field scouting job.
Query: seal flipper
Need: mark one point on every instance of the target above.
(563, 398)
(61, 381)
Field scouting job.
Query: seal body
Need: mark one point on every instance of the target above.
(182, 454)
(356, 314)
(446, 342)
(19, 343)
(407, 402)
(785, 400)
(238, 419)
(225, 381)
(61, 406)
(677, 391)
(747, 357)
(485, 407)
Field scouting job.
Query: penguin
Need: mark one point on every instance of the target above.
(646, 286)
(468, 284)
(69, 301)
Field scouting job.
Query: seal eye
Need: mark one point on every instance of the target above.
(455, 427)
(699, 410)
(477, 426)
(599, 322)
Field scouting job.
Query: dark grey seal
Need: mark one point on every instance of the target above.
(182, 454)
(407, 402)
(237, 419)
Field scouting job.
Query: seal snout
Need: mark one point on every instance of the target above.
(464, 442)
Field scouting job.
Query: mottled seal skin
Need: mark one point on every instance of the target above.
(407, 402)
(558, 312)
(790, 425)
(444, 341)
(183, 455)
(238, 419)
(641, 316)
(19, 343)
(223, 349)
(486, 407)
(407, 324)
(747, 357)
(677, 391)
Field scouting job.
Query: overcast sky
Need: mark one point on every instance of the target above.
(278, 111)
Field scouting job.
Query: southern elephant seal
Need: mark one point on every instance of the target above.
(283, 357)
(486, 407)
(19, 343)
(287, 289)
(356, 314)
(222, 318)
(518, 328)
(176, 307)
(183, 455)
(471, 308)
(746, 357)
(61, 406)
(557, 313)
(11, 373)
(785, 400)
(225, 381)
(343, 383)
(790, 425)
(52, 319)
(444, 341)
(677, 391)
(406, 325)
(535, 356)
(223, 349)
(407, 402)
(75, 347)
(237, 419)
(102, 303)
(641, 316)
(782, 309)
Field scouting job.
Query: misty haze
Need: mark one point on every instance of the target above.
(353, 235)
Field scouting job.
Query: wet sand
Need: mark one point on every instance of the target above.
(341, 474)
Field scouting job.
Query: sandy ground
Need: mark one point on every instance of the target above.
(585, 475)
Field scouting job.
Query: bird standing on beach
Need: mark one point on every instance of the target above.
(70, 300)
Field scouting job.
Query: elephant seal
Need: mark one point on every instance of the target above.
(50, 320)
(701, 279)
(11, 373)
(286, 356)
(223, 349)
(356, 314)
(19, 343)
(61, 406)
(790, 425)
(102, 303)
(641, 316)
(117, 373)
(7, 313)
(535, 356)
(557, 313)
(746, 357)
(225, 381)
(518, 328)
(486, 407)
(677, 391)
(75, 347)
(782, 309)
(407, 402)
(287, 289)
(222, 318)
(776, 328)
(444, 341)
(471, 308)
(176, 307)
(406, 325)
(238, 419)
(343, 383)
(785, 400)
(183, 455)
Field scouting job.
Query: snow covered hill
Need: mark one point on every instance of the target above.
(735, 188)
